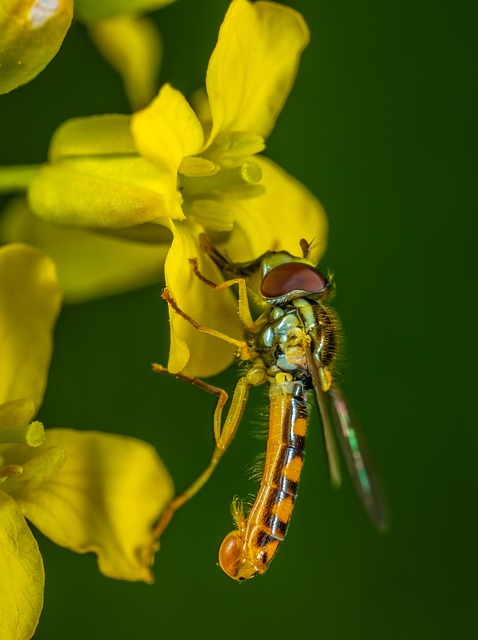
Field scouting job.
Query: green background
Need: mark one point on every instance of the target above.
(381, 126)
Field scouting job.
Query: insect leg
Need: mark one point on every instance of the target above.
(243, 301)
(223, 433)
(242, 346)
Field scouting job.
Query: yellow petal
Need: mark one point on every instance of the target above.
(112, 192)
(103, 135)
(113, 265)
(23, 577)
(18, 411)
(29, 303)
(200, 103)
(278, 218)
(31, 34)
(253, 66)
(105, 499)
(194, 353)
(165, 132)
(133, 47)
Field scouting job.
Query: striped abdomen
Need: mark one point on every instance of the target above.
(249, 550)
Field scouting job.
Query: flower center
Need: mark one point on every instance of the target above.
(34, 470)
(224, 172)
(18, 464)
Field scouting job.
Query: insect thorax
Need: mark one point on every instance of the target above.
(290, 331)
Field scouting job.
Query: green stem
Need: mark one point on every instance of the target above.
(16, 178)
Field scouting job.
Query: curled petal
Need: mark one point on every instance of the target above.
(278, 218)
(253, 66)
(165, 132)
(23, 576)
(105, 498)
(30, 299)
(192, 352)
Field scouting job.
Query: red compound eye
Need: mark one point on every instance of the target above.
(292, 276)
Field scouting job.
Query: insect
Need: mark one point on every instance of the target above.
(292, 345)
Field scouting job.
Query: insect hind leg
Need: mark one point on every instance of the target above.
(224, 433)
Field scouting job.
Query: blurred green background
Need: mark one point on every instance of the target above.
(381, 126)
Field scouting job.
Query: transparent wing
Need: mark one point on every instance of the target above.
(333, 461)
(357, 459)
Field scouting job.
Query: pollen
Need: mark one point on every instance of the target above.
(325, 378)
(282, 377)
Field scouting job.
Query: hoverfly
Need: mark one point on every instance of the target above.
(292, 345)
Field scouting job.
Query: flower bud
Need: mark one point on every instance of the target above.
(31, 32)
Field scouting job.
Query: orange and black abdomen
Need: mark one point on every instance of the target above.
(249, 550)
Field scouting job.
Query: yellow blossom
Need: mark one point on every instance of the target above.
(87, 491)
(171, 172)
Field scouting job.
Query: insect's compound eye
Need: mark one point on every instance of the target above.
(292, 276)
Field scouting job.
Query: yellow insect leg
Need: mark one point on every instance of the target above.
(243, 301)
(242, 347)
(223, 432)
(223, 435)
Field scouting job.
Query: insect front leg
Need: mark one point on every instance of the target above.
(242, 347)
(223, 432)
(243, 302)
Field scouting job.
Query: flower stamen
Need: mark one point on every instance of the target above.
(32, 434)
(43, 465)
(247, 173)
(196, 167)
(235, 144)
(10, 471)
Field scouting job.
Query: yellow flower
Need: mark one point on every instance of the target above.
(113, 265)
(85, 490)
(187, 171)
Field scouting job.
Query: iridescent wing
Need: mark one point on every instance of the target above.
(333, 461)
(358, 459)
(353, 448)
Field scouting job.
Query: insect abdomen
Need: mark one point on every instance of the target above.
(250, 549)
